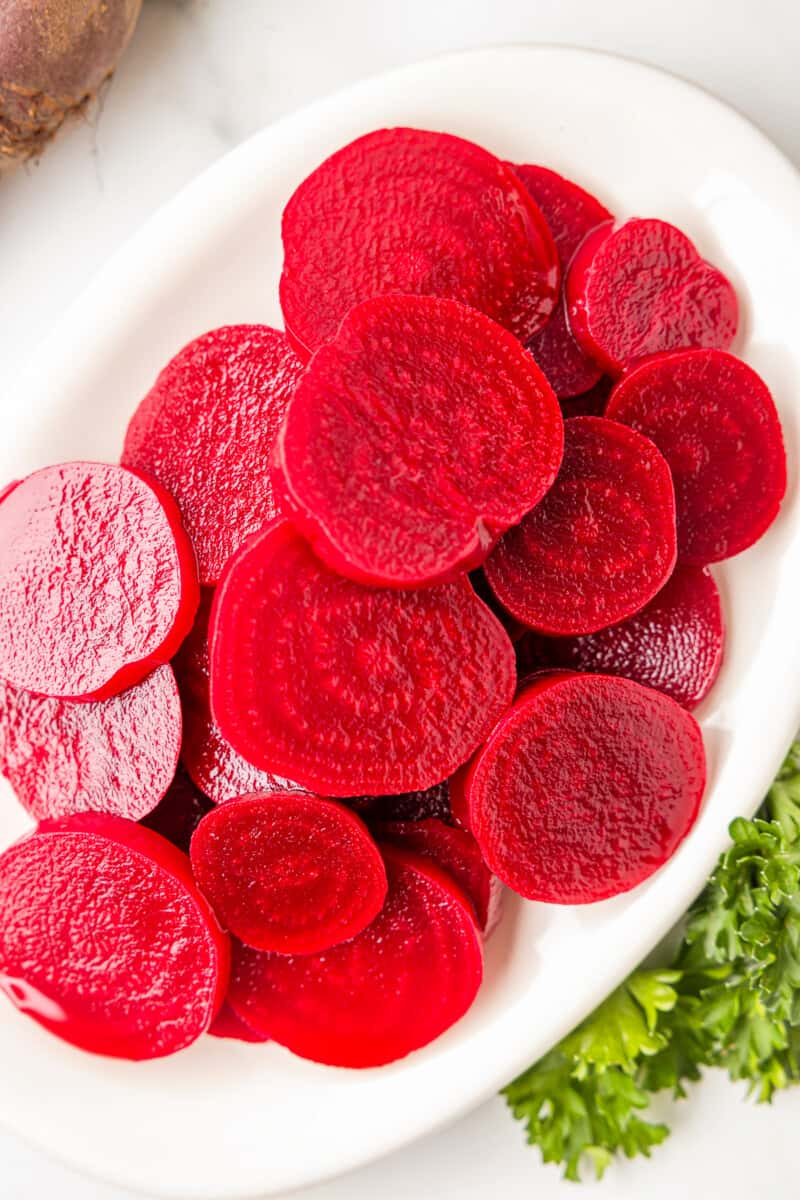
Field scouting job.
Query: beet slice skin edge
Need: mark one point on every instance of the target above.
(449, 218)
(414, 438)
(392, 989)
(105, 939)
(98, 584)
(350, 690)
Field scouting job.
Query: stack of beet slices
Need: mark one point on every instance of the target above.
(258, 686)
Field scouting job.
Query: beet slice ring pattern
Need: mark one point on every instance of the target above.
(673, 644)
(585, 788)
(714, 420)
(105, 939)
(447, 219)
(602, 541)
(392, 989)
(115, 756)
(414, 438)
(350, 690)
(206, 428)
(291, 873)
(571, 214)
(97, 581)
(640, 288)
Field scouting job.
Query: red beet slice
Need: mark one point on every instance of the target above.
(589, 404)
(434, 802)
(105, 939)
(115, 756)
(351, 690)
(206, 429)
(514, 628)
(673, 644)
(641, 287)
(287, 872)
(420, 213)
(371, 464)
(585, 788)
(401, 983)
(571, 213)
(180, 812)
(97, 581)
(600, 544)
(226, 1024)
(714, 420)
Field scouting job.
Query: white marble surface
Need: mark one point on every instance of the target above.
(200, 76)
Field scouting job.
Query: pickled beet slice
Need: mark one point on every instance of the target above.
(600, 544)
(114, 756)
(585, 788)
(205, 430)
(420, 213)
(180, 812)
(292, 873)
(641, 287)
(673, 644)
(414, 438)
(226, 1024)
(97, 581)
(392, 989)
(410, 806)
(571, 213)
(514, 628)
(105, 939)
(714, 420)
(351, 690)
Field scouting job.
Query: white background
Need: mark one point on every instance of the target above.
(200, 76)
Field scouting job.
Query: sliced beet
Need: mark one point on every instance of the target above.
(105, 939)
(434, 802)
(714, 420)
(589, 404)
(351, 690)
(180, 812)
(392, 989)
(641, 287)
(673, 644)
(414, 212)
(571, 213)
(97, 581)
(114, 756)
(206, 428)
(226, 1024)
(585, 788)
(288, 872)
(514, 628)
(600, 544)
(414, 438)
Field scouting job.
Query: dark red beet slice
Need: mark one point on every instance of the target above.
(585, 788)
(571, 213)
(641, 287)
(351, 690)
(514, 628)
(600, 544)
(105, 939)
(714, 420)
(289, 872)
(97, 581)
(673, 644)
(401, 983)
(372, 466)
(209, 758)
(206, 428)
(180, 812)
(409, 806)
(420, 213)
(226, 1024)
(589, 404)
(115, 756)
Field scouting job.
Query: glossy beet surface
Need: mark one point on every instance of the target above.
(106, 941)
(97, 581)
(401, 983)
(600, 544)
(286, 872)
(585, 788)
(351, 690)
(206, 428)
(405, 210)
(419, 434)
(571, 213)
(180, 812)
(113, 756)
(639, 288)
(714, 420)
